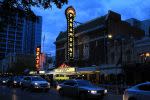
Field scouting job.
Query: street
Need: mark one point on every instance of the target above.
(7, 93)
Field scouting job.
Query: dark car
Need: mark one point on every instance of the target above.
(138, 92)
(81, 88)
(14, 81)
(4, 80)
(0, 79)
(35, 82)
(10, 81)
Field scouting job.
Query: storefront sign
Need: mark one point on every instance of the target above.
(70, 15)
(37, 58)
(65, 70)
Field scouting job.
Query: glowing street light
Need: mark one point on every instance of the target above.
(147, 54)
(109, 36)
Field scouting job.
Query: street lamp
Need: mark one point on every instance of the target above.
(110, 36)
(106, 37)
(147, 54)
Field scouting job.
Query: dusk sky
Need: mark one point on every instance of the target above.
(54, 19)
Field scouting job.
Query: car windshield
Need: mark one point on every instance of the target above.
(37, 79)
(84, 83)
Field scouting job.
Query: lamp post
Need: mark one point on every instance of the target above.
(106, 38)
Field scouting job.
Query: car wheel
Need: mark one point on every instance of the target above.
(82, 96)
(61, 92)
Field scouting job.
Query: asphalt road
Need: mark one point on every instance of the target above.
(7, 93)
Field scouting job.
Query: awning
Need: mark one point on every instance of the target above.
(111, 71)
(87, 70)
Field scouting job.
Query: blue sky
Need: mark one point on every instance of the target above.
(54, 19)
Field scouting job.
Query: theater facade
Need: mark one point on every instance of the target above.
(95, 47)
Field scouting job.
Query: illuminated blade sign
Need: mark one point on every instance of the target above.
(70, 15)
(37, 58)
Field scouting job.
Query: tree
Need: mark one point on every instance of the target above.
(22, 63)
(26, 4)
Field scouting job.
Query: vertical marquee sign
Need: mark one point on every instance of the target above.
(37, 58)
(70, 15)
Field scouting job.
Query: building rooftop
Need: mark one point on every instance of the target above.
(83, 27)
(92, 24)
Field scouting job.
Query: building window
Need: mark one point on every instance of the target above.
(112, 57)
(85, 47)
(128, 56)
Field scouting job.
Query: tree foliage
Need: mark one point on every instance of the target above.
(22, 63)
(26, 4)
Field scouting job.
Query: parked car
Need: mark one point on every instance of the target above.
(19, 80)
(10, 81)
(14, 81)
(1, 79)
(4, 80)
(35, 82)
(81, 88)
(138, 92)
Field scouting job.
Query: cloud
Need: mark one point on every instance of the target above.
(54, 19)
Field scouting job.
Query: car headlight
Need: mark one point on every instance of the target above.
(58, 87)
(35, 83)
(15, 82)
(48, 84)
(4, 81)
(105, 91)
(93, 92)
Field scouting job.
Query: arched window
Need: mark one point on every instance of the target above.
(128, 56)
(86, 47)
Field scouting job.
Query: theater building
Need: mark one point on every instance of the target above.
(93, 44)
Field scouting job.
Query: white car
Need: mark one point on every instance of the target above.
(35, 82)
(138, 92)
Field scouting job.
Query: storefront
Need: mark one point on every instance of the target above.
(89, 73)
(65, 72)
